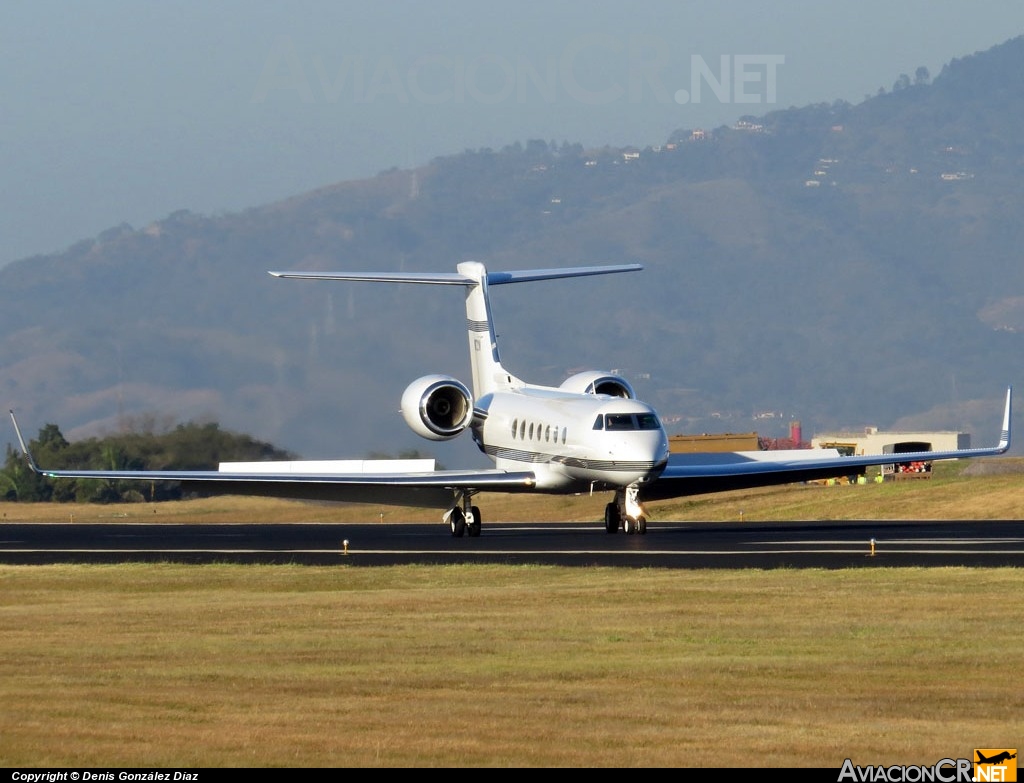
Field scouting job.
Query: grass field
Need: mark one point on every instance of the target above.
(226, 665)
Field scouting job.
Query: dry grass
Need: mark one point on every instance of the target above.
(228, 665)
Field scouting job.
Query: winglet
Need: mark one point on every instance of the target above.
(1004, 436)
(24, 446)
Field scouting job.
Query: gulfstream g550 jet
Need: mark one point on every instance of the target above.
(589, 434)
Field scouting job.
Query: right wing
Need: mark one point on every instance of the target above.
(426, 489)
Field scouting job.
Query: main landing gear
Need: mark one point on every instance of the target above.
(465, 519)
(625, 511)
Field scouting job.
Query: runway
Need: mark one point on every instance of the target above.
(690, 545)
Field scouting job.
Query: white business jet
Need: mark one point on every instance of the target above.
(589, 434)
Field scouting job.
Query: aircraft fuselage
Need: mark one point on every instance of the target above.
(573, 442)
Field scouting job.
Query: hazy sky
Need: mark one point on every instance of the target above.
(127, 110)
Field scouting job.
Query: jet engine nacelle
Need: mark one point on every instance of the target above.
(437, 407)
(597, 382)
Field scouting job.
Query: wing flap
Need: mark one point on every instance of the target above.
(435, 489)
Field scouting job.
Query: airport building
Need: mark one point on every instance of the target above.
(874, 441)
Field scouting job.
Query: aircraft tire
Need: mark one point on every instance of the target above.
(629, 526)
(458, 520)
(478, 523)
(641, 525)
(611, 518)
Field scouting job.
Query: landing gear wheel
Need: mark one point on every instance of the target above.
(611, 518)
(629, 526)
(458, 520)
(478, 521)
(641, 525)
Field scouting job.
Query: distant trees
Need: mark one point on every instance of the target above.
(187, 447)
(921, 78)
(901, 83)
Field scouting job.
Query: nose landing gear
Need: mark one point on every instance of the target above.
(625, 511)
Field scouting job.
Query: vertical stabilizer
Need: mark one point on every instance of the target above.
(485, 363)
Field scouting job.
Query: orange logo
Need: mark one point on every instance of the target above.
(995, 765)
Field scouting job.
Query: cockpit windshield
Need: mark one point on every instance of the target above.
(626, 421)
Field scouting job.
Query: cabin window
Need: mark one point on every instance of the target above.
(563, 435)
(515, 428)
(547, 432)
(531, 430)
(522, 430)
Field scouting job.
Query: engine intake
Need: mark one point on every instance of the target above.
(437, 407)
(597, 382)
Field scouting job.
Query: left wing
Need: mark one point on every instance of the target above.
(696, 474)
(428, 489)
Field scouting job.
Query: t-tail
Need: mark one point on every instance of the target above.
(488, 374)
(484, 361)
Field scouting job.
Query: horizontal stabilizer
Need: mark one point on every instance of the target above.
(457, 278)
(430, 278)
(529, 275)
